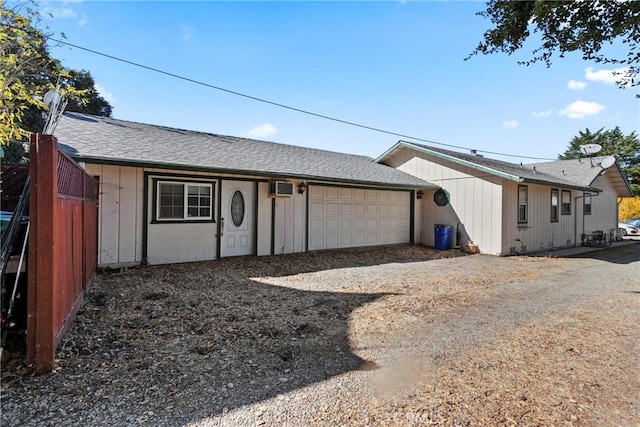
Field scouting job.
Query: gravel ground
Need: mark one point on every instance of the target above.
(397, 336)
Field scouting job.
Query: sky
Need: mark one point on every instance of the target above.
(398, 66)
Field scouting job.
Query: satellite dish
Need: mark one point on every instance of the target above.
(590, 148)
(51, 99)
(607, 162)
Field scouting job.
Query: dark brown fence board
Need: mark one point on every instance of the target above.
(62, 247)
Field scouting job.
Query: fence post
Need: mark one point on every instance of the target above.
(41, 334)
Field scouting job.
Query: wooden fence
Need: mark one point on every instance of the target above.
(62, 247)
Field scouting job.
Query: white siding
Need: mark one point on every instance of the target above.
(169, 243)
(119, 215)
(289, 224)
(475, 200)
(604, 208)
(263, 245)
(539, 233)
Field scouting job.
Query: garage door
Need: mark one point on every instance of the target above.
(351, 217)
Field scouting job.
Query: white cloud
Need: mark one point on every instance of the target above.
(541, 114)
(263, 131)
(510, 124)
(108, 96)
(187, 32)
(576, 85)
(581, 109)
(609, 77)
(64, 13)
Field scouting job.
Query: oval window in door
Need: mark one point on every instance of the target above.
(237, 208)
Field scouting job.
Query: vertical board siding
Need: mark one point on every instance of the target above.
(539, 233)
(264, 220)
(120, 214)
(474, 200)
(289, 224)
(604, 207)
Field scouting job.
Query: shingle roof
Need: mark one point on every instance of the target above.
(95, 139)
(578, 174)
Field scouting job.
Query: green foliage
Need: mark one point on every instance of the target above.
(566, 26)
(625, 148)
(23, 60)
(91, 102)
(27, 72)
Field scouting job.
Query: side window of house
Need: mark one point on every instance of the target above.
(566, 202)
(184, 201)
(523, 204)
(587, 204)
(554, 205)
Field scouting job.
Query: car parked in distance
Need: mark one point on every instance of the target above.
(627, 229)
(633, 222)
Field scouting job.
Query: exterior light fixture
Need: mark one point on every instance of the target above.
(419, 194)
(302, 186)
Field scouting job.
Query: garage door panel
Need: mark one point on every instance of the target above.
(346, 193)
(331, 225)
(316, 225)
(316, 208)
(351, 217)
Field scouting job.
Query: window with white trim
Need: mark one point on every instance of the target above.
(523, 195)
(184, 201)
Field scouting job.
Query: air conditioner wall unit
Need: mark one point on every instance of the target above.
(280, 189)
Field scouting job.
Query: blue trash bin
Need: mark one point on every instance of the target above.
(443, 234)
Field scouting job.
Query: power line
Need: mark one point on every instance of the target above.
(277, 104)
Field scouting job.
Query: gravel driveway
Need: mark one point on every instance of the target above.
(396, 336)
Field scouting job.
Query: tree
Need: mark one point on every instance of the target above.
(625, 148)
(588, 27)
(23, 61)
(629, 208)
(92, 102)
(27, 72)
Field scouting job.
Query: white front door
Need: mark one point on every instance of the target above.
(237, 218)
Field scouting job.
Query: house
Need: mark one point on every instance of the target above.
(507, 208)
(171, 195)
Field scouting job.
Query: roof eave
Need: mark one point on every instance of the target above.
(246, 172)
(561, 185)
(401, 144)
